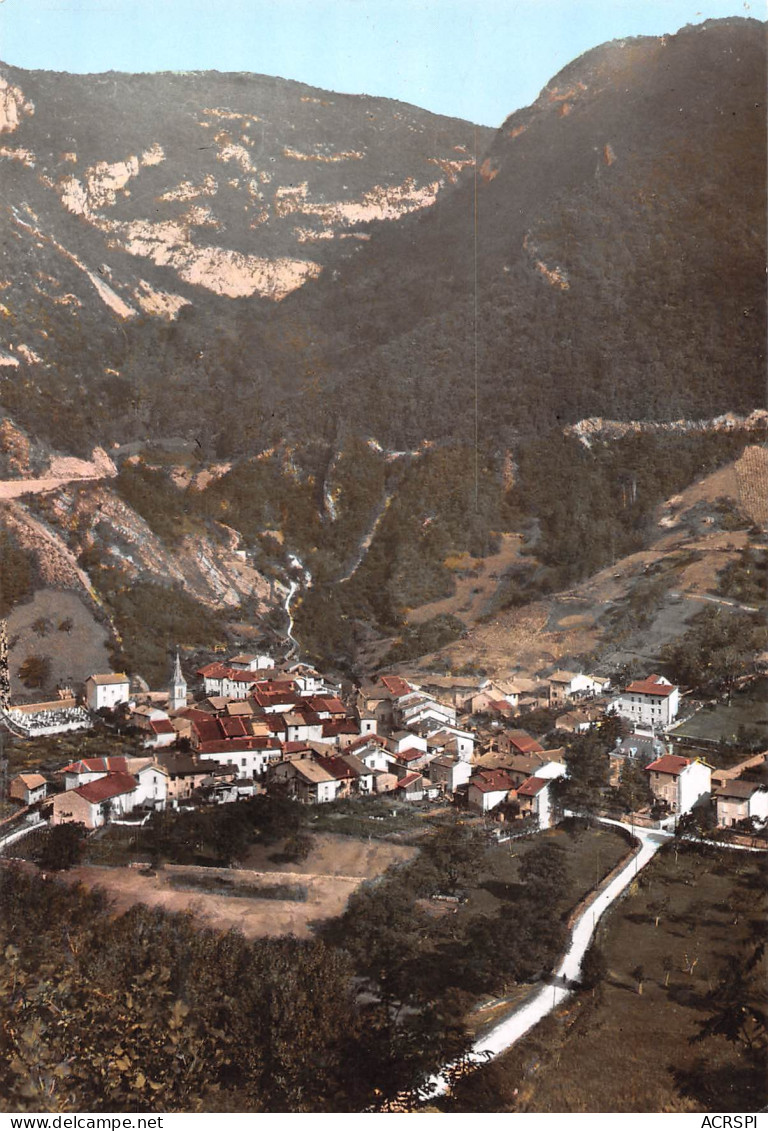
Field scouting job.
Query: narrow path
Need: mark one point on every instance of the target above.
(10, 838)
(297, 565)
(726, 601)
(509, 1031)
(523, 1019)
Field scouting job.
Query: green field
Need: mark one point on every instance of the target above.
(747, 709)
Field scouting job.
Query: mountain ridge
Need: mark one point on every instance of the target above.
(584, 264)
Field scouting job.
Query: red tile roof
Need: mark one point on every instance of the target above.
(332, 727)
(410, 755)
(492, 781)
(523, 741)
(337, 768)
(328, 704)
(669, 764)
(207, 729)
(233, 727)
(238, 745)
(294, 747)
(532, 786)
(277, 686)
(96, 765)
(366, 740)
(113, 785)
(650, 686)
(408, 779)
(275, 698)
(161, 726)
(216, 670)
(395, 685)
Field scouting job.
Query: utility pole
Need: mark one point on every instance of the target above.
(3, 768)
(5, 679)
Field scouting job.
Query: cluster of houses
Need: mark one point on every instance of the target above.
(258, 726)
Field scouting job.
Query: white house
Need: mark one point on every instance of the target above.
(91, 769)
(308, 780)
(489, 788)
(652, 701)
(534, 799)
(741, 800)
(113, 795)
(303, 728)
(368, 722)
(417, 708)
(107, 690)
(28, 788)
(463, 740)
(248, 757)
(449, 773)
(152, 785)
(251, 662)
(405, 740)
(373, 754)
(565, 685)
(681, 782)
(535, 795)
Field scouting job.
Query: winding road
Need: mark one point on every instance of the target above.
(509, 1031)
(560, 985)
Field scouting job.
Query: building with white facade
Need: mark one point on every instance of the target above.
(741, 800)
(108, 690)
(680, 782)
(564, 685)
(651, 702)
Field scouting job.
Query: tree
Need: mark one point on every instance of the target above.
(63, 847)
(455, 854)
(545, 872)
(633, 791)
(297, 847)
(586, 783)
(668, 966)
(35, 671)
(658, 908)
(594, 967)
(639, 976)
(738, 1002)
(382, 929)
(719, 647)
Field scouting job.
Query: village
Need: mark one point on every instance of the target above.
(253, 726)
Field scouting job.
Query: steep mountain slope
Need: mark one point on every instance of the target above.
(131, 201)
(607, 260)
(626, 613)
(366, 348)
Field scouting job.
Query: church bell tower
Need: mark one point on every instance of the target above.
(177, 691)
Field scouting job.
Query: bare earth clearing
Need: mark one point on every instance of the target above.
(476, 588)
(75, 651)
(335, 867)
(571, 623)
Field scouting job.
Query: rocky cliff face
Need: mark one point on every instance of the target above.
(224, 264)
(239, 185)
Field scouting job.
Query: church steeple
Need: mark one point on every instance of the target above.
(177, 690)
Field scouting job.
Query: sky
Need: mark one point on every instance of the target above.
(474, 59)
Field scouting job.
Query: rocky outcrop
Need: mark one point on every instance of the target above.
(211, 566)
(596, 428)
